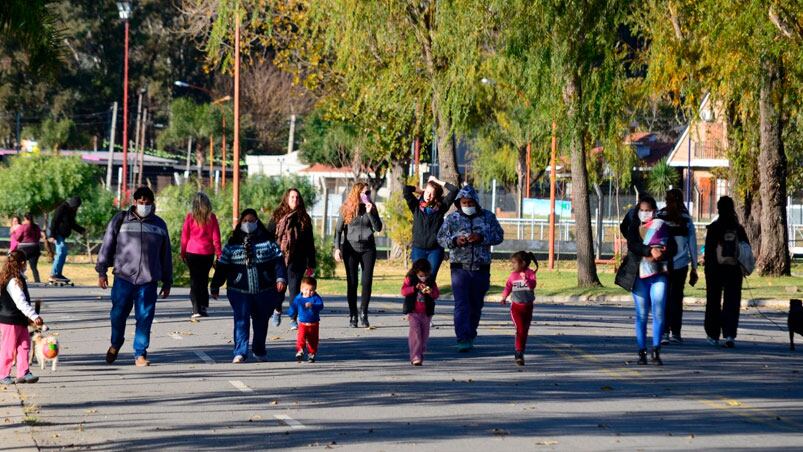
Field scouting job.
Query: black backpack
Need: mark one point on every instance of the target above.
(728, 248)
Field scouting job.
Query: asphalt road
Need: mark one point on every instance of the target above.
(578, 391)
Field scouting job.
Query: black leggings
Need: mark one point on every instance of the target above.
(674, 301)
(199, 265)
(353, 260)
(294, 276)
(32, 253)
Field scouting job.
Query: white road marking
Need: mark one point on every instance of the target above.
(290, 422)
(204, 357)
(241, 386)
(176, 336)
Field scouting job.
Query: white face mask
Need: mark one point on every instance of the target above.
(248, 228)
(469, 210)
(644, 216)
(422, 278)
(143, 210)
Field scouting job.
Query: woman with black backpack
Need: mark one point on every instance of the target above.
(723, 274)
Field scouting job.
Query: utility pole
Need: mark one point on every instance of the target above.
(189, 151)
(223, 153)
(211, 160)
(136, 137)
(110, 162)
(290, 141)
(143, 127)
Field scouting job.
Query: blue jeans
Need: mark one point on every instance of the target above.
(434, 256)
(647, 293)
(248, 309)
(469, 288)
(142, 298)
(60, 256)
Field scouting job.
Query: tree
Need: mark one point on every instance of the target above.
(661, 177)
(97, 209)
(54, 134)
(30, 25)
(38, 183)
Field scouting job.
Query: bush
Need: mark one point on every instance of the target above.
(326, 260)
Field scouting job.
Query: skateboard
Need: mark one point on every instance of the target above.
(60, 283)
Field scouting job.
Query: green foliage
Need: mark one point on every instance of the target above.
(660, 178)
(398, 221)
(37, 183)
(54, 134)
(97, 208)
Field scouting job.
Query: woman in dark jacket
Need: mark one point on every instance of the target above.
(723, 274)
(356, 248)
(291, 229)
(428, 210)
(255, 275)
(644, 273)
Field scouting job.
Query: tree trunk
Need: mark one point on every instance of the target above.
(586, 267)
(447, 151)
(521, 179)
(749, 211)
(773, 259)
(199, 160)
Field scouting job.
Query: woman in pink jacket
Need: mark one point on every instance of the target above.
(200, 244)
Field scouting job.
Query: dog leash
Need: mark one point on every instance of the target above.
(753, 297)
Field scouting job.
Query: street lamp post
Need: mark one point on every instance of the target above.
(235, 204)
(124, 9)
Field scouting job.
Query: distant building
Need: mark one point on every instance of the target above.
(701, 154)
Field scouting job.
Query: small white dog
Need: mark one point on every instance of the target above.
(42, 347)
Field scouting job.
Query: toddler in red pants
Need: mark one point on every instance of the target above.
(15, 312)
(520, 290)
(306, 308)
(420, 292)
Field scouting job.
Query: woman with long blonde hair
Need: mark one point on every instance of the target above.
(200, 243)
(356, 248)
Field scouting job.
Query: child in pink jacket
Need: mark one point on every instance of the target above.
(520, 290)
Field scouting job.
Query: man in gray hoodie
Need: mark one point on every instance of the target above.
(137, 245)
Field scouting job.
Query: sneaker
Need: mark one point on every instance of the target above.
(311, 358)
(7, 381)
(729, 342)
(665, 339)
(417, 362)
(195, 316)
(261, 358)
(364, 321)
(712, 341)
(353, 321)
(239, 359)
(519, 356)
(293, 324)
(675, 339)
(299, 356)
(27, 378)
(276, 318)
(463, 346)
(142, 361)
(111, 355)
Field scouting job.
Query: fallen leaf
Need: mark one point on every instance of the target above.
(500, 432)
(548, 442)
(606, 388)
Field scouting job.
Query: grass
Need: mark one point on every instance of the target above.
(388, 277)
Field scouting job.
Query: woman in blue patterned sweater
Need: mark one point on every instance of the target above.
(256, 277)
